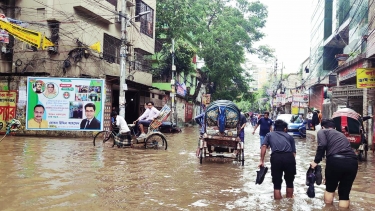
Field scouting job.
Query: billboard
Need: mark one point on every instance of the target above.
(65, 104)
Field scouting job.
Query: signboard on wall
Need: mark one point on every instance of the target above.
(7, 107)
(65, 104)
(188, 112)
(365, 77)
(300, 98)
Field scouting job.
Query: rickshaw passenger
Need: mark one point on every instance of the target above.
(142, 117)
(147, 117)
(341, 164)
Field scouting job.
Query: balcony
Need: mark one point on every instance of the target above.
(95, 10)
(346, 91)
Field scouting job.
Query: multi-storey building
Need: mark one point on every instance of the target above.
(259, 72)
(338, 48)
(75, 25)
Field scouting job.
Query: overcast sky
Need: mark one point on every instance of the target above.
(288, 31)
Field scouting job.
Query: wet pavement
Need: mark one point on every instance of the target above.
(70, 174)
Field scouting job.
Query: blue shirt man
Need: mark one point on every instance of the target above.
(265, 124)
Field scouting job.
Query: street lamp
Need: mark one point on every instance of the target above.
(123, 86)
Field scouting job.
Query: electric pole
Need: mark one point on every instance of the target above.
(173, 84)
(123, 85)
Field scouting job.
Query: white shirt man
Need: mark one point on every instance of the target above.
(309, 116)
(146, 118)
(121, 124)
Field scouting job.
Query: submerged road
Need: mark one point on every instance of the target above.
(71, 174)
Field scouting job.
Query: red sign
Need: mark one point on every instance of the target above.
(188, 112)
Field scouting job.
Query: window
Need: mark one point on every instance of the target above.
(147, 21)
(111, 49)
(141, 60)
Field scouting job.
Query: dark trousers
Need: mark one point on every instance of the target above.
(309, 124)
(340, 172)
(283, 163)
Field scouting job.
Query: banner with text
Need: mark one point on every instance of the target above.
(32, 37)
(366, 78)
(300, 98)
(65, 104)
(7, 107)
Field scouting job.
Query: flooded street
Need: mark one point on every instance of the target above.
(71, 174)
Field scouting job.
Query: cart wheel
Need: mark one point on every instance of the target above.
(102, 137)
(156, 141)
(201, 155)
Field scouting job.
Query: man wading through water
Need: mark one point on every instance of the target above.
(265, 124)
(341, 164)
(283, 159)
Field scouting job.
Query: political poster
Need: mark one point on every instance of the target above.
(7, 107)
(181, 89)
(65, 104)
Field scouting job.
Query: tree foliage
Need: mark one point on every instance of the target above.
(226, 30)
(182, 60)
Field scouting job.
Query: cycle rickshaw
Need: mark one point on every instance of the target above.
(221, 137)
(154, 138)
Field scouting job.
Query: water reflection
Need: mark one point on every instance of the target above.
(71, 174)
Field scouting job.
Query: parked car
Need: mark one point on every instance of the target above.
(296, 127)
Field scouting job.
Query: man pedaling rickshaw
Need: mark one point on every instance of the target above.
(124, 130)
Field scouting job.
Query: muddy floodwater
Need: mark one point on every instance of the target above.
(70, 174)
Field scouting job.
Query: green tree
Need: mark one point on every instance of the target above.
(225, 31)
(183, 56)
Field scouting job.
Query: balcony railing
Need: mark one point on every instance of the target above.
(346, 91)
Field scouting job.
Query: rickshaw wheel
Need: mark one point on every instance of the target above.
(156, 141)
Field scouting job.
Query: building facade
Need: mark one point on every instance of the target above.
(87, 38)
